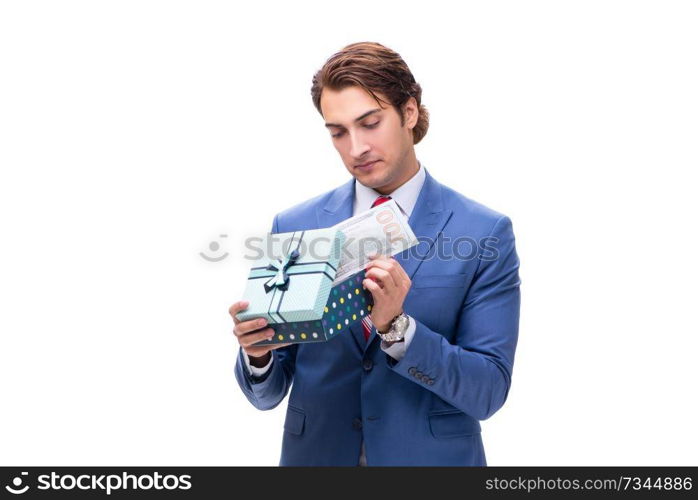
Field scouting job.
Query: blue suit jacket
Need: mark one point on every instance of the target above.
(424, 409)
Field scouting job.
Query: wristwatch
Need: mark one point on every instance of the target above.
(397, 330)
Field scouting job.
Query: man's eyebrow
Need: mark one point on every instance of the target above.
(367, 113)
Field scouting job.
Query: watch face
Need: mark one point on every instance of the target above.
(400, 323)
(397, 329)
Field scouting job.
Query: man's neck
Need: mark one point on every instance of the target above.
(409, 174)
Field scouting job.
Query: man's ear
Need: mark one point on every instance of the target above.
(410, 110)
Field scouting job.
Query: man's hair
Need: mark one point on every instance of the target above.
(375, 68)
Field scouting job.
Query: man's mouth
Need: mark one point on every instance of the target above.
(366, 165)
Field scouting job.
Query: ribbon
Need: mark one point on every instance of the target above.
(280, 280)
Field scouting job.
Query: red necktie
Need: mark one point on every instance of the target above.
(366, 321)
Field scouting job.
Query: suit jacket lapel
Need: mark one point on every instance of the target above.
(339, 207)
(428, 218)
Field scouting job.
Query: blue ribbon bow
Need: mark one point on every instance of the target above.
(280, 279)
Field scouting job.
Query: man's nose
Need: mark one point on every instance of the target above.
(359, 147)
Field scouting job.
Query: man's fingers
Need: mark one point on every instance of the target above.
(240, 305)
(387, 263)
(401, 271)
(382, 275)
(374, 288)
(393, 267)
(251, 339)
(245, 327)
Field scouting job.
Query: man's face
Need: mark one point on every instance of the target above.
(373, 145)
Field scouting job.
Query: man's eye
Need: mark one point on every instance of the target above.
(367, 125)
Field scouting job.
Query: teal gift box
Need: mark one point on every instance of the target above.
(291, 286)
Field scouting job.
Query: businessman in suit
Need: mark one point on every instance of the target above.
(409, 385)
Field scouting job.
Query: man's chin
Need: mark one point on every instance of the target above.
(369, 180)
(372, 178)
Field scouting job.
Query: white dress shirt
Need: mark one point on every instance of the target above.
(405, 197)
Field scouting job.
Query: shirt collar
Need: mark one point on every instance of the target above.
(405, 196)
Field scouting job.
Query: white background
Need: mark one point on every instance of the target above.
(134, 133)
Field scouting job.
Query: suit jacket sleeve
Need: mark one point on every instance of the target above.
(474, 373)
(268, 390)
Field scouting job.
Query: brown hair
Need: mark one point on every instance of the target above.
(375, 68)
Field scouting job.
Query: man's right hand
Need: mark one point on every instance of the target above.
(248, 337)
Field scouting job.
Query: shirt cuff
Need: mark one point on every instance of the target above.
(398, 349)
(253, 370)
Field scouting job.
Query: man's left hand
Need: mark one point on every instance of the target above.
(388, 283)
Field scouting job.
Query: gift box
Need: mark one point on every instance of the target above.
(291, 286)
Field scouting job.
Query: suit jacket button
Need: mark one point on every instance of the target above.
(356, 423)
(368, 364)
(430, 381)
(419, 375)
(412, 370)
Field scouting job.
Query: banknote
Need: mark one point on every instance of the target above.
(382, 229)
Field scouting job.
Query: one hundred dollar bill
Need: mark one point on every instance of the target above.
(380, 230)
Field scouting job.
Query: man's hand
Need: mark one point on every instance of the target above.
(247, 336)
(388, 283)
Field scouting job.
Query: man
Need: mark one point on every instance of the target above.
(410, 385)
